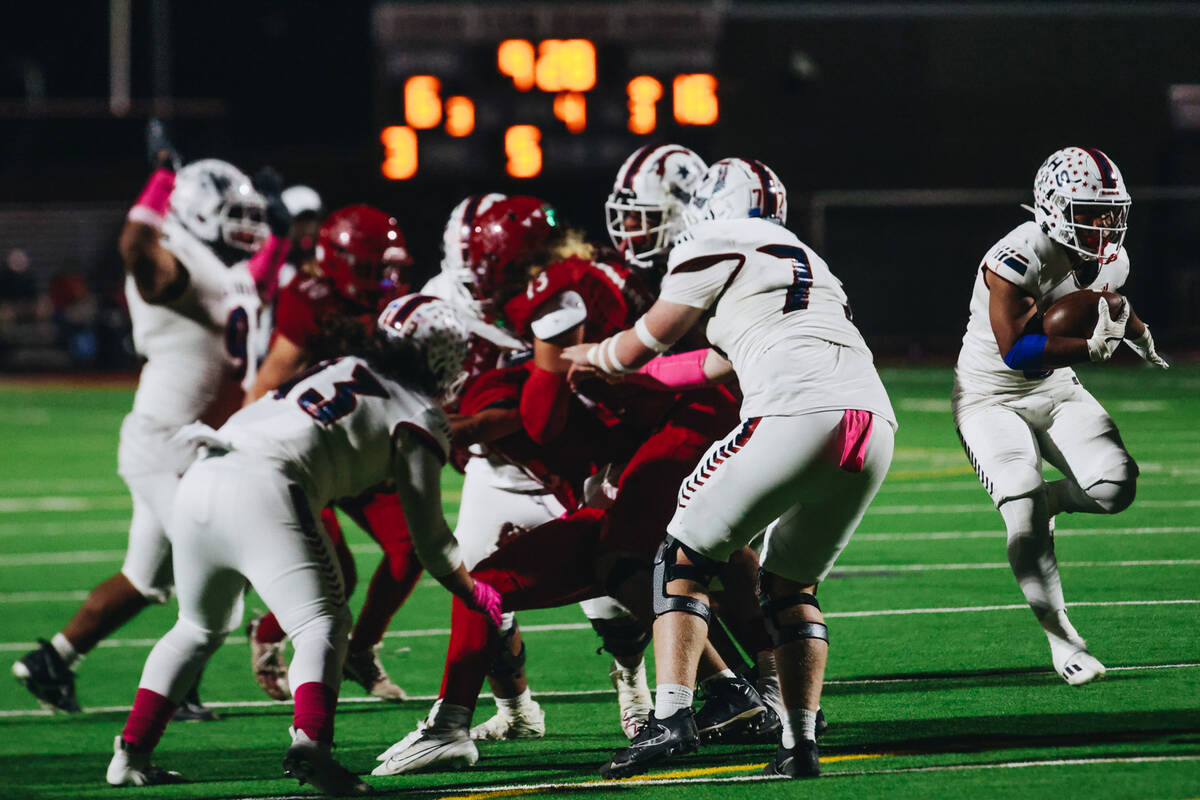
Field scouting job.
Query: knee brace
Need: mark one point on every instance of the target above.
(622, 636)
(782, 632)
(508, 664)
(666, 569)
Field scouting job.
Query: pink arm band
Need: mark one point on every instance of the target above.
(681, 371)
(152, 203)
(265, 264)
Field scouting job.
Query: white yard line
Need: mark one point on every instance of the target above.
(982, 507)
(24, 505)
(856, 568)
(15, 647)
(998, 533)
(429, 698)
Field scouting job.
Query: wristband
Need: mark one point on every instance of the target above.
(647, 338)
(152, 204)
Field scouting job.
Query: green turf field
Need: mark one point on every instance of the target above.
(939, 678)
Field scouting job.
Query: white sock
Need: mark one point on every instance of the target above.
(514, 704)
(724, 674)
(669, 698)
(65, 649)
(798, 723)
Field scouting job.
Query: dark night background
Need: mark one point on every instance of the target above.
(834, 96)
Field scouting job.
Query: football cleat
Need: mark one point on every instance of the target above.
(527, 721)
(633, 696)
(310, 762)
(131, 768)
(365, 669)
(731, 705)
(266, 660)
(801, 761)
(1078, 667)
(48, 678)
(441, 742)
(192, 710)
(657, 741)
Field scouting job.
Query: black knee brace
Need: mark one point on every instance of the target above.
(701, 571)
(508, 665)
(623, 636)
(783, 633)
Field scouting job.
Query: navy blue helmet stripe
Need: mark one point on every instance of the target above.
(1108, 179)
(769, 209)
(636, 164)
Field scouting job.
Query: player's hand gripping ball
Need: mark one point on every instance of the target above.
(1076, 314)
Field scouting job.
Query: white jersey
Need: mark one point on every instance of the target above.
(1031, 260)
(198, 343)
(777, 309)
(332, 428)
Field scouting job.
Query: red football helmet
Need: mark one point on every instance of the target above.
(500, 238)
(362, 250)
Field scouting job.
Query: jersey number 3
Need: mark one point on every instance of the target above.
(328, 410)
(802, 281)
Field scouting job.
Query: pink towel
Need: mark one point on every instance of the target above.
(851, 440)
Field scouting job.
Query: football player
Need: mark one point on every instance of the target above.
(657, 437)
(644, 216)
(333, 431)
(1016, 399)
(193, 306)
(363, 262)
(813, 447)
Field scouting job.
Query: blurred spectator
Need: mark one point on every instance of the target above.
(75, 312)
(18, 289)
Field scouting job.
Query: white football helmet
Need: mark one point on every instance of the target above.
(644, 212)
(217, 203)
(1080, 201)
(737, 188)
(458, 277)
(437, 332)
(301, 199)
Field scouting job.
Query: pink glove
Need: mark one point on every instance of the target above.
(485, 600)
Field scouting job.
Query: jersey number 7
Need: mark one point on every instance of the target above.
(802, 281)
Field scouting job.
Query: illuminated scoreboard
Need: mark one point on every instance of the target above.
(488, 89)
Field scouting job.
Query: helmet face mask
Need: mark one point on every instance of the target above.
(431, 330)
(1080, 201)
(738, 188)
(644, 211)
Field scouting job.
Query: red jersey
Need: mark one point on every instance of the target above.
(305, 303)
(564, 463)
(613, 297)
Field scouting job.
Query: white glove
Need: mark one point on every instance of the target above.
(1108, 332)
(1144, 347)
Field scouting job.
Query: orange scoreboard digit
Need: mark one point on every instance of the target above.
(527, 104)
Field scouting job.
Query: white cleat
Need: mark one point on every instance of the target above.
(270, 669)
(130, 768)
(439, 743)
(310, 762)
(1079, 667)
(526, 721)
(365, 669)
(633, 696)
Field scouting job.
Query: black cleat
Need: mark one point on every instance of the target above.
(822, 725)
(732, 707)
(192, 710)
(799, 762)
(657, 741)
(48, 678)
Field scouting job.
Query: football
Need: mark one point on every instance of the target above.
(1075, 315)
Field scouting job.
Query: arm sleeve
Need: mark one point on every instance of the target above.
(264, 265)
(544, 404)
(698, 271)
(417, 470)
(295, 317)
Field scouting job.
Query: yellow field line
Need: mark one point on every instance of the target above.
(700, 772)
